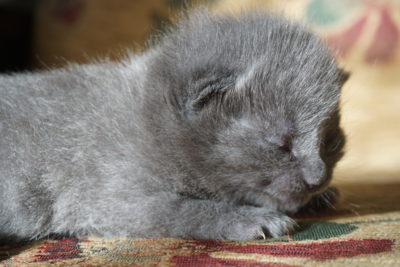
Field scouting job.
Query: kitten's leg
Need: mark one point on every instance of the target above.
(213, 220)
(207, 219)
(164, 215)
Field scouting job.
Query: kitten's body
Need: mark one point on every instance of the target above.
(213, 134)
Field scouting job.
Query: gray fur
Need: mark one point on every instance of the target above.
(217, 132)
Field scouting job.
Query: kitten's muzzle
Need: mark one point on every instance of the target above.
(315, 175)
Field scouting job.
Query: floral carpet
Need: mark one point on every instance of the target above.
(364, 230)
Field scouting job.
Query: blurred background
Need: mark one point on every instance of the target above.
(364, 34)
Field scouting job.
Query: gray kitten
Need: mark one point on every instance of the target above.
(217, 132)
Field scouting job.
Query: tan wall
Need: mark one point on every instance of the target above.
(82, 30)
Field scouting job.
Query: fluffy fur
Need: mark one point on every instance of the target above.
(217, 132)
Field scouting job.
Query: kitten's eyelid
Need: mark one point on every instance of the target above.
(245, 123)
(275, 141)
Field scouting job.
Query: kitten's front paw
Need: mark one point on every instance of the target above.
(251, 223)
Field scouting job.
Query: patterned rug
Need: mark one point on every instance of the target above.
(364, 230)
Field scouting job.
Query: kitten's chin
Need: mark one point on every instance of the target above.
(293, 202)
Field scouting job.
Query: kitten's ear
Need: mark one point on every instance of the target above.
(206, 89)
(201, 98)
(343, 76)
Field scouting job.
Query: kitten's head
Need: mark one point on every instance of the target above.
(257, 105)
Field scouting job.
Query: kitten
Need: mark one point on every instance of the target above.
(219, 132)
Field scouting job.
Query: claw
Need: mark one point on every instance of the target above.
(261, 235)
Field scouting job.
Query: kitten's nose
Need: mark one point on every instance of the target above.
(314, 174)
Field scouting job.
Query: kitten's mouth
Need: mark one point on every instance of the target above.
(318, 189)
(292, 194)
(290, 202)
(325, 200)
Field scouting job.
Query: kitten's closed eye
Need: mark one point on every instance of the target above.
(283, 143)
(287, 144)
